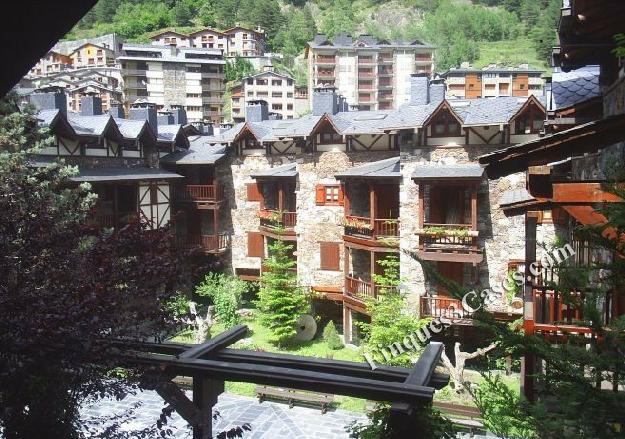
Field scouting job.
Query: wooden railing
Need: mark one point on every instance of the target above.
(274, 219)
(377, 229)
(452, 236)
(549, 306)
(108, 220)
(198, 192)
(443, 307)
(362, 289)
(207, 243)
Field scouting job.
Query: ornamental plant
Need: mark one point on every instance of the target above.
(331, 336)
(225, 294)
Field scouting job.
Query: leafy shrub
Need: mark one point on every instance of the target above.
(331, 336)
(225, 293)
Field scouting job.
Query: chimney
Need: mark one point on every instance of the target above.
(180, 115)
(117, 111)
(419, 89)
(172, 50)
(325, 100)
(165, 118)
(268, 68)
(437, 91)
(145, 111)
(52, 98)
(90, 105)
(256, 111)
(206, 129)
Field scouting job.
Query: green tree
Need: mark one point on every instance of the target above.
(339, 17)
(225, 293)
(280, 300)
(390, 319)
(181, 14)
(299, 29)
(331, 336)
(238, 68)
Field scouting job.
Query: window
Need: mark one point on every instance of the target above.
(255, 245)
(276, 82)
(530, 122)
(445, 125)
(276, 106)
(330, 138)
(329, 256)
(329, 195)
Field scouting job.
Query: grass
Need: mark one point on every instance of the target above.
(512, 53)
(259, 340)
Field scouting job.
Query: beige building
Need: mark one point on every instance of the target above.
(53, 62)
(493, 81)
(92, 55)
(192, 78)
(370, 73)
(236, 41)
(283, 97)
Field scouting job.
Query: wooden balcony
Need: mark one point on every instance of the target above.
(198, 193)
(440, 306)
(362, 290)
(213, 244)
(449, 242)
(277, 223)
(378, 229)
(109, 220)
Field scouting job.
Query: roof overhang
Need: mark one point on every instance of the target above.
(116, 175)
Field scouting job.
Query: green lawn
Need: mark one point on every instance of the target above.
(259, 340)
(512, 53)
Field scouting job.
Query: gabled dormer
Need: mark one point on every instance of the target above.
(528, 122)
(443, 126)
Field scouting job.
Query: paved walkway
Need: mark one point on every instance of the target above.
(269, 420)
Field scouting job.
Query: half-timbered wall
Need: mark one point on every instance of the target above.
(154, 207)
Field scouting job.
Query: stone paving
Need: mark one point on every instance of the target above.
(269, 420)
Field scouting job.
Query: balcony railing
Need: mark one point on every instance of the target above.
(443, 307)
(328, 75)
(206, 243)
(199, 193)
(385, 60)
(362, 289)
(326, 60)
(276, 220)
(438, 236)
(108, 220)
(379, 228)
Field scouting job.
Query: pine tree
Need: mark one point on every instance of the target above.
(280, 301)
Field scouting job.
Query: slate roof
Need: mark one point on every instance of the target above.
(130, 128)
(574, 87)
(198, 154)
(344, 40)
(487, 111)
(89, 125)
(388, 168)
(288, 170)
(123, 174)
(46, 117)
(168, 133)
(515, 196)
(426, 172)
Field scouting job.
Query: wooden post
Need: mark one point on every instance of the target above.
(528, 361)
(215, 222)
(116, 207)
(280, 196)
(347, 324)
(474, 207)
(372, 273)
(205, 394)
(421, 189)
(346, 205)
(372, 207)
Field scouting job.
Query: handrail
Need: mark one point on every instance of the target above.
(363, 289)
(372, 228)
(199, 192)
(274, 219)
(442, 307)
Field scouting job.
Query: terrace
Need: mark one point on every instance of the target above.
(276, 187)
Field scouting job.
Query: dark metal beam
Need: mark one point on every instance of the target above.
(216, 343)
(422, 372)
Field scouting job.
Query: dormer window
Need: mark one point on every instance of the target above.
(445, 125)
(530, 122)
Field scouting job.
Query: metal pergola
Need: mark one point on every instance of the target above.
(212, 363)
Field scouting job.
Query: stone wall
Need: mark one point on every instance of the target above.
(174, 84)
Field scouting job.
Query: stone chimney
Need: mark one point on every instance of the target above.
(256, 111)
(179, 114)
(145, 111)
(165, 118)
(117, 111)
(173, 50)
(419, 89)
(52, 98)
(90, 105)
(437, 91)
(325, 100)
(268, 68)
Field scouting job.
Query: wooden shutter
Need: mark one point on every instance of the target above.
(320, 195)
(329, 256)
(255, 245)
(341, 195)
(253, 192)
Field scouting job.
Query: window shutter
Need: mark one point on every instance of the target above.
(255, 245)
(253, 192)
(320, 195)
(329, 256)
(341, 195)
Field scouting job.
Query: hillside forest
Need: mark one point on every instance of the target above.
(478, 31)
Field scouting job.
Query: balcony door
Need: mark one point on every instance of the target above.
(447, 205)
(452, 271)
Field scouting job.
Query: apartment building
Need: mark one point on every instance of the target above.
(108, 41)
(172, 76)
(279, 91)
(236, 41)
(371, 74)
(53, 62)
(92, 55)
(493, 81)
(349, 188)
